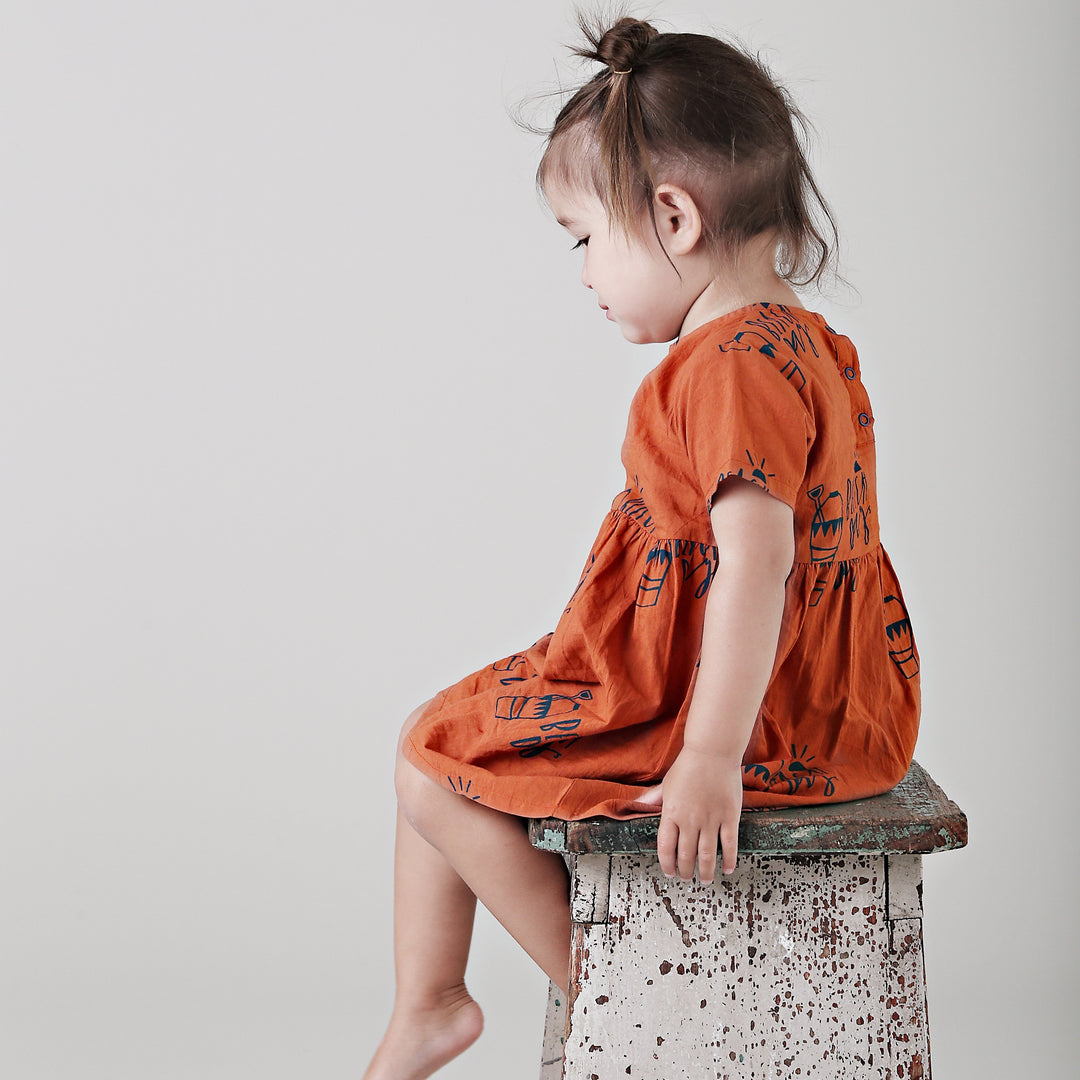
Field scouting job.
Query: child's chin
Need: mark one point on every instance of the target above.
(637, 336)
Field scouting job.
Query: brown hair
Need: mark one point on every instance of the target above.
(692, 110)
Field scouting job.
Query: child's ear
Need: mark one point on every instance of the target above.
(678, 219)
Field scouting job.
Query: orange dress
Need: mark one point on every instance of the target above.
(580, 723)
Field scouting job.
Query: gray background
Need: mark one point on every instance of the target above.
(305, 414)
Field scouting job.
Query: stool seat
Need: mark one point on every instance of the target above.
(915, 818)
(807, 961)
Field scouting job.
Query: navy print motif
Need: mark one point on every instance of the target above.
(858, 512)
(898, 630)
(462, 788)
(511, 663)
(708, 558)
(795, 774)
(633, 506)
(779, 324)
(757, 474)
(845, 571)
(776, 326)
(692, 558)
(825, 532)
(552, 736)
(794, 375)
(538, 707)
(657, 565)
(555, 745)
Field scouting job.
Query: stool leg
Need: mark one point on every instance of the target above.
(909, 1028)
(551, 1057)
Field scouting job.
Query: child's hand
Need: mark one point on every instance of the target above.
(701, 800)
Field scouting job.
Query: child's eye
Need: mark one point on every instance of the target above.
(583, 242)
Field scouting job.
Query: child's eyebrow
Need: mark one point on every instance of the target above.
(565, 224)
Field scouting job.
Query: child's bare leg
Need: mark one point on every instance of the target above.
(434, 1017)
(525, 889)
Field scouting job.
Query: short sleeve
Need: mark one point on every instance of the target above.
(748, 414)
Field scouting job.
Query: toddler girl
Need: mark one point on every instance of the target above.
(738, 637)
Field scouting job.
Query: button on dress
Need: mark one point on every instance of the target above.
(581, 722)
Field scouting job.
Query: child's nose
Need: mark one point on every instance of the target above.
(585, 276)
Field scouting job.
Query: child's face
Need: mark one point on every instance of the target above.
(631, 276)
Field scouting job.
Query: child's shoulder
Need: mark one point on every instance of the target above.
(765, 328)
(758, 342)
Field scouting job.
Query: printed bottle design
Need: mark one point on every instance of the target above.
(657, 565)
(901, 641)
(553, 736)
(693, 558)
(826, 530)
(538, 707)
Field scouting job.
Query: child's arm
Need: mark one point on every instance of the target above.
(702, 791)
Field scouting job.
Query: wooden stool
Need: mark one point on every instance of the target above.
(807, 961)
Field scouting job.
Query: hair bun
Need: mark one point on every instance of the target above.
(621, 46)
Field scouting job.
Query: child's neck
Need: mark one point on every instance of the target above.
(755, 282)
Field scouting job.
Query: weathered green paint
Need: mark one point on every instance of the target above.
(550, 839)
(914, 818)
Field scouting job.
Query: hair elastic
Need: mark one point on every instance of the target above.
(626, 72)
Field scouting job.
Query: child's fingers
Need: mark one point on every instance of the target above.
(729, 844)
(688, 852)
(653, 796)
(667, 843)
(706, 856)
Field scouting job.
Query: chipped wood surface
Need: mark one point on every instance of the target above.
(903, 881)
(589, 888)
(789, 967)
(551, 1056)
(808, 961)
(909, 1032)
(916, 817)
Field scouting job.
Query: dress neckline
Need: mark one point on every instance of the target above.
(736, 316)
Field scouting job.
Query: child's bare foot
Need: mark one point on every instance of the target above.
(423, 1037)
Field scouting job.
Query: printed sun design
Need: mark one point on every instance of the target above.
(461, 787)
(758, 471)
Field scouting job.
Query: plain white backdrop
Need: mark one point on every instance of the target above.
(305, 414)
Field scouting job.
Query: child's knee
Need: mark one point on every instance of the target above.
(416, 795)
(415, 792)
(410, 723)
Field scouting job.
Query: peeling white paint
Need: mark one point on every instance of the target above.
(789, 964)
(589, 888)
(904, 876)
